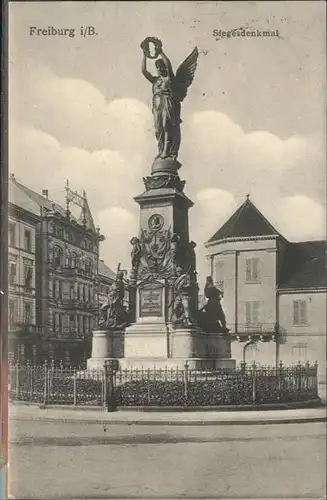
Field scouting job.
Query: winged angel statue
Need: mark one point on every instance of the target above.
(169, 90)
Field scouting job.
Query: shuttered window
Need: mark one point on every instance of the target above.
(300, 351)
(300, 312)
(252, 270)
(252, 312)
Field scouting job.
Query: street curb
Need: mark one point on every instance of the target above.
(305, 420)
(314, 403)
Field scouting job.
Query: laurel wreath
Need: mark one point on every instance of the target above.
(145, 46)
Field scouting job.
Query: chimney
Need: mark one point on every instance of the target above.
(45, 193)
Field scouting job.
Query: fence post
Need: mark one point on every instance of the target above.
(186, 380)
(299, 372)
(307, 377)
(149, 396)
(31, 370)
(111, 400)
(316, 378)
(105, 383)
(17, 381)
(75, 387)
(279, 379)
(254, 370)
(45, 390)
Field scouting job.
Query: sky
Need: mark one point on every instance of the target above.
(253, 119)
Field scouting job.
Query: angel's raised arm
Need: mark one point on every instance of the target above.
(168, 64)
(145, 72)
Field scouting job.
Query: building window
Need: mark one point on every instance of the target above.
(57, 289)
(252, 313)
(80, 326)
(57, 257)
(74, 260)
(27, 240)
(300, 312)
(85, 321)
(12, 313)
(56, 322)
(81, 264)
(34, 354)
(299, 351)
(71, 292)
(67, 358)
(21, 353)
(12, 234)
(72, 323)
(88, 266)
(68, 259)
(27, 313)
(252, 270)
(28, 274)
(251, 352)
(12, 273)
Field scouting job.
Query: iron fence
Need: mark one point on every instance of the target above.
(111, 386)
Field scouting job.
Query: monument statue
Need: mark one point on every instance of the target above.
(173, 252)
(190, 258)
(113, 314)
(181, 314)
(168, 90)
(213, 318)
(136, 255)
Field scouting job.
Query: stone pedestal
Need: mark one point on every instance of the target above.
(106, 344)
(158, 345)
(186, 343)
(147, 340)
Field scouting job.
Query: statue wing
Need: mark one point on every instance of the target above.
(185, 74)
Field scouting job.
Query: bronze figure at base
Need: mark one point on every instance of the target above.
(113, 313)
(211, 316)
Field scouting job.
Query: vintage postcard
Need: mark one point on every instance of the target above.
(166, 248)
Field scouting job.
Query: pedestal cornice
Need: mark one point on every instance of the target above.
(161, 195)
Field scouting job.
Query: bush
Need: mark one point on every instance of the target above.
(66, 386)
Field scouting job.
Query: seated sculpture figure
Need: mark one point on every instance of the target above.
(212, 316)
(113, 314)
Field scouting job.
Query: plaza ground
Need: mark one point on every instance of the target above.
(89, 460)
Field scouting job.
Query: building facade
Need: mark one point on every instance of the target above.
(57, 278)
(274, 291)
(22, 326)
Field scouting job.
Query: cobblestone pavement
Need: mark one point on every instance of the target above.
(99, 461)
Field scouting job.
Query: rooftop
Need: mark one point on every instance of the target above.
(104, 270)
(34, 202)
(247, 221)
(304, 265)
